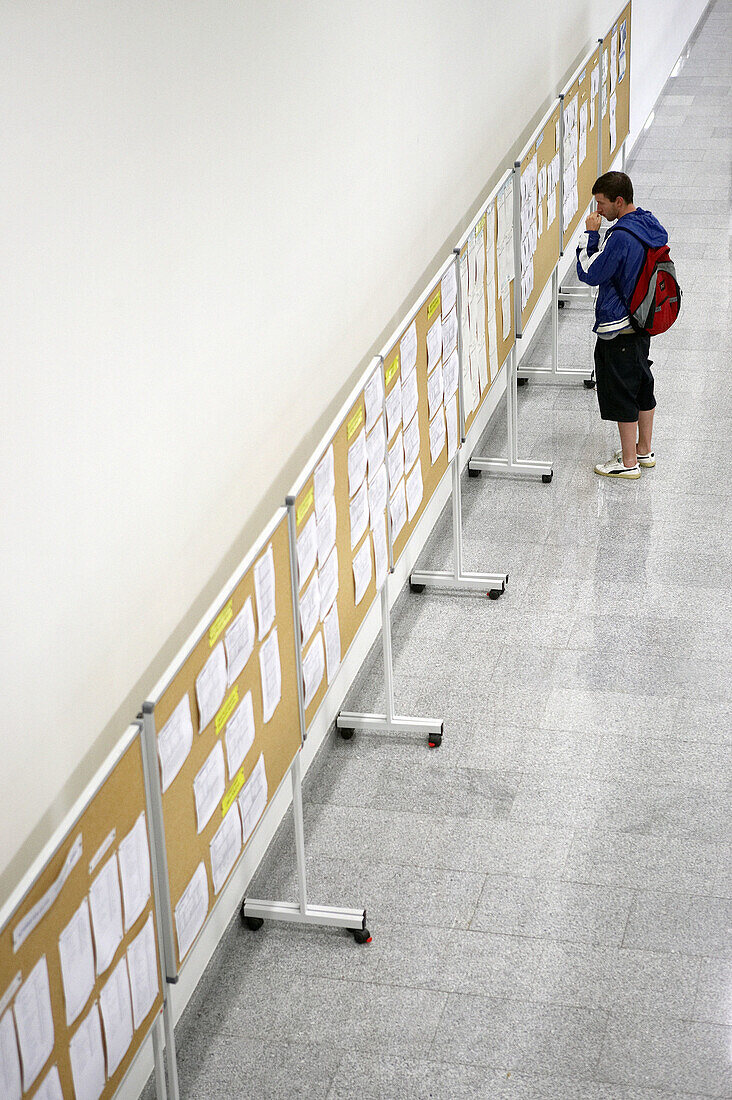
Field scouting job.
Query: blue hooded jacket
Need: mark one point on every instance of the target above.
(615, 264)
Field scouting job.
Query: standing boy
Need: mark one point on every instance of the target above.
(622, 366)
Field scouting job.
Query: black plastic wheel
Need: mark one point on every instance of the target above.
(415, 587)
(252, 923)
(589, 383)
(345, 733)
(360, 935)
(474, 473)
(434, 740)
(561, 304)
(522, 381)
(546, 478)
(495, 593)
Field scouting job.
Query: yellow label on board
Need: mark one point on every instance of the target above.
(304, 507)
(391, 371)
(355, 422)
(220, 624)
(434, 305)
(232, 792)
(226, 709)
(480, 227)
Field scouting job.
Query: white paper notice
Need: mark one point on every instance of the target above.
(174, 742)
(332, 635)
(264, 591)
(434, 344)
(271, 674)
(143, 968)
(87, 1057)
(437, 435)
(106, 911)
(239, 734)
(310, 609)
(239, 641)
(49, 1088)
(116, 1005)
(450, 375)
(134, 869)
(393, 409)
(326, 531)
(395, 461)
(449, 333)
(359, 514)
(448, 290)
(506, 311)
(410, 397)
(434, 389)
(253, 798)
(329, 582)
(376, 447)
(621, 46)
(613, 122)
(211, 686)
(225, 847)
(34, 1022)
(209, 786)
(378, 492)
(9, 1060)
(381, 549)
(76, 952)
(414, 491)
(324, 481)
(356, 463)
(374, 398)
(313, 667)
(451, 415)
(191, 910)
(613, 62)
(307, 551)
(362, 571)
(397, 510)
(408, 350)
(411, 443)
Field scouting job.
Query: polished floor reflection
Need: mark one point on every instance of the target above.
(550, 892)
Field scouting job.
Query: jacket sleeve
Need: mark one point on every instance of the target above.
(597, 263)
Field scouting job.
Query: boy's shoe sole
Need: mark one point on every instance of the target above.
(647, 462)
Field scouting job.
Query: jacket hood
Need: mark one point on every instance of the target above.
(643, 223)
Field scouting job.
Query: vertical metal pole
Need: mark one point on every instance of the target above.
(292, 530)
(599, 107)
(518, 317)
(296, 779)
(560, 212)
(555, 320)
(461, 350)
(173, 1090)
(158, 1038)
(457, 520)
(159, 859)
(511, 448)
(622, 163)
(386, 647)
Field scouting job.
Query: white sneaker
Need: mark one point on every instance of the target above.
(648, 460)
(617, 468)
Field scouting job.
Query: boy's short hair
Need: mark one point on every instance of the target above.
(614, 185)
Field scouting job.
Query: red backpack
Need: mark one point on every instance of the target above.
(656, 301)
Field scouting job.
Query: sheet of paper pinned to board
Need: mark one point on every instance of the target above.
(583, 132)
(191, 910)
(378, 492)
(408, 350)
(381, 548)
(239, 736)
(332, 636)
(50, 1087)
(437, 435)
(175, 741)
(395, 462)
(359, 513)
(410, 397)
(357, 462)
(143, 971)
(271, 675)
(362, 569)
(253, 798)
(605, 68)
(211, 685)
(209, 786)
(613, 61)
(76, 952)
(310, 608)
(116, 1008)
(434, 343)
(411, 443)
(450, 375)
(622, 60)
(326, 530)
(225, 847)
(324, 481)
(451, 415)
(393, 410)
(239, 641)
(10, 1086)
(86, 1053)
(264, 591)
(613, 122)
(313, 667)
(448, 290)
(415, 490)
(105, 901)
(329, 582)
(307, 549)
(376, 446)
(34, 1022)
(435, 390)
(134, 869)
(374, 398)
(398, 509)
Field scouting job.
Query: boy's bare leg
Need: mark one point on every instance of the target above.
(628, 431)
(645, 431)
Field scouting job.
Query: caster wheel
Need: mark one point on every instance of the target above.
(589, 383)
(435, 739)
(546, 478)
(474, 473)
(561, 304)
(360, 935)
(416, 587)
(346, 734)
(521, 381)
(252, 923)
(495, 593)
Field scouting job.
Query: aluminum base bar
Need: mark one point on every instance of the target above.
(395, 724)
(314, 914)
(567, 293)
(507, 466)
(555, 373)
(471, 582)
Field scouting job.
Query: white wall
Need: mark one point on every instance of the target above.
(213, 213)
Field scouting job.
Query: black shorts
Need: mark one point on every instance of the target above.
(623, 374)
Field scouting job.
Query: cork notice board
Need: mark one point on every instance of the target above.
(55, 906)
(587, 171)
(349, 432)
(394, 372)
(616, 46)
(269, 746)
(534, 166)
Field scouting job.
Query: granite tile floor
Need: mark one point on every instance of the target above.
(549, 892)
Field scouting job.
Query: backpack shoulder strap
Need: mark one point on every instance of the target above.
(625, 229)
